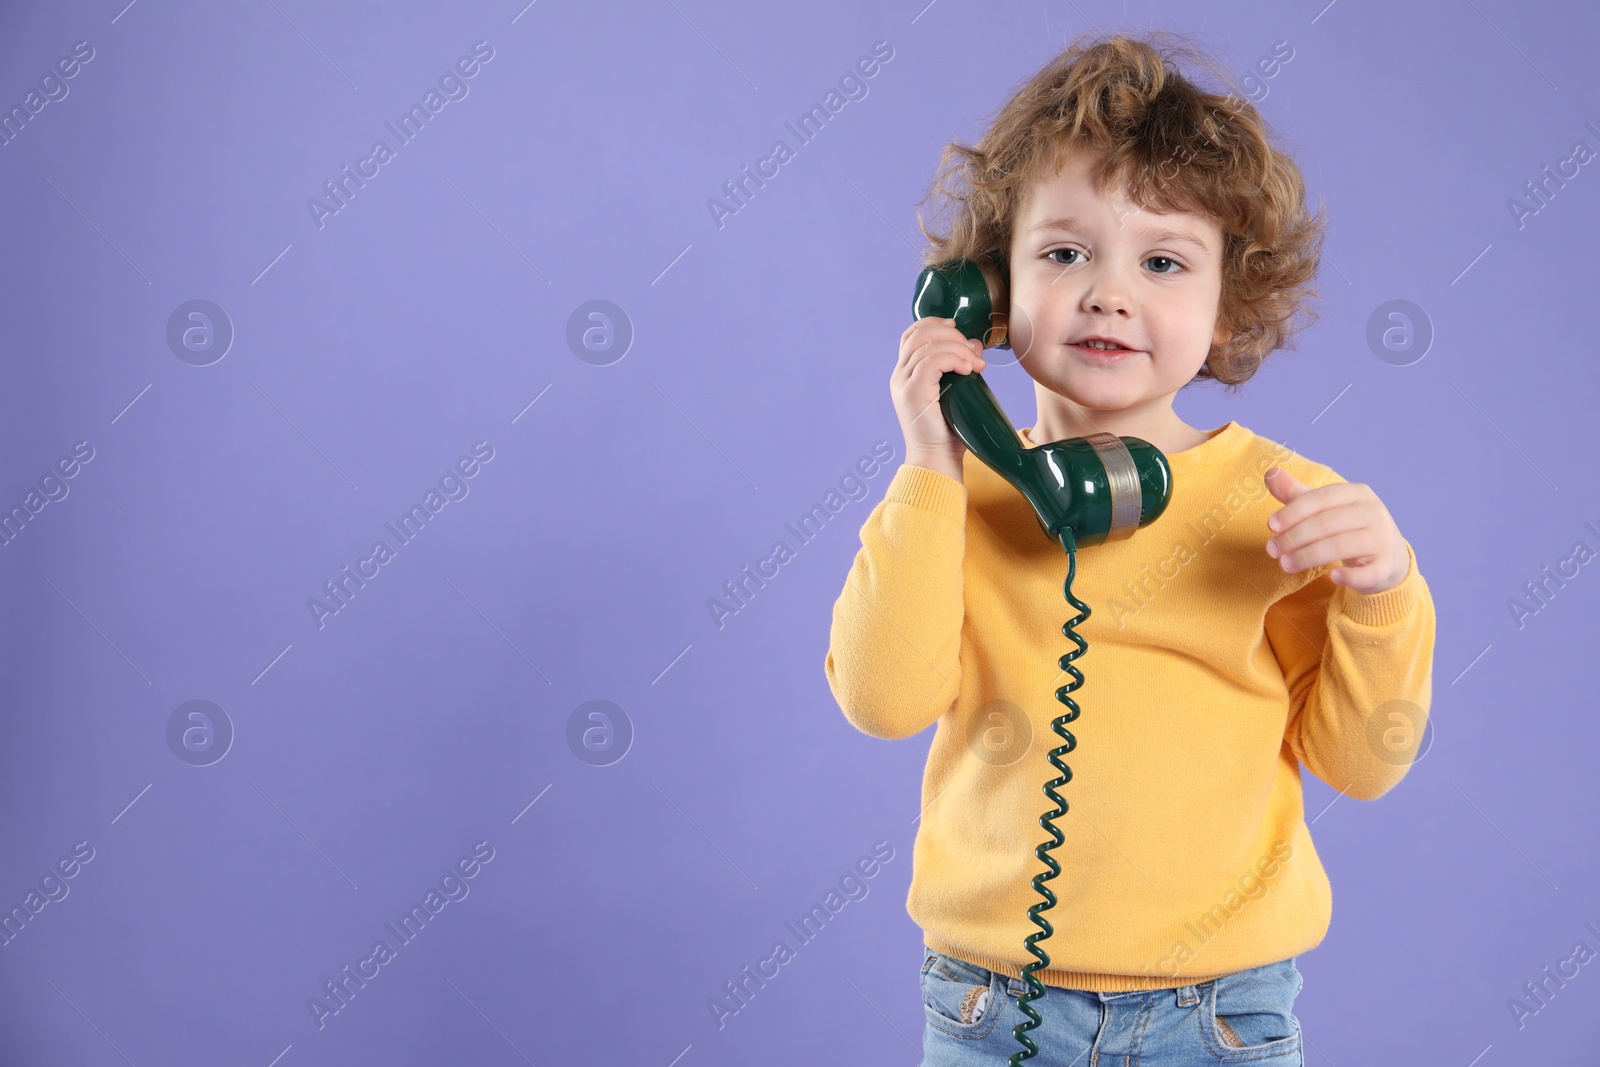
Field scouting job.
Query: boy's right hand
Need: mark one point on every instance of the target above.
(929, 348)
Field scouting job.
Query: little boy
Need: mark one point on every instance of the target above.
(1273, 616)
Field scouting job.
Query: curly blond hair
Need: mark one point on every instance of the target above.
(1175, 147)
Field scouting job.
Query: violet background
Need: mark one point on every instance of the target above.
(433, 710)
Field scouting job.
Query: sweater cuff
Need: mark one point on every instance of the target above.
(1389, 606)
(924, 487)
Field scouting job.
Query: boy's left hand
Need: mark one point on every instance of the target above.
(1344, 522)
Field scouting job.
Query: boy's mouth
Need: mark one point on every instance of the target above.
(1101, 355)
(1102, 345)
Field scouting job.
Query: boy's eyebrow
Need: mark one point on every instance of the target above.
(1068, 222)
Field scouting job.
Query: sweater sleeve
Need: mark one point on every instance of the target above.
(1359, 668)
(893, 660)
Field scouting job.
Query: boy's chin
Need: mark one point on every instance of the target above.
(1100, 396)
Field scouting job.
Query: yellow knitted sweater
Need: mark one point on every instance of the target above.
(1211, 676)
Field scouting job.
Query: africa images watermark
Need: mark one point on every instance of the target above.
(453, 87)
(53, 488)
(739, 191)
(1268, 66)
(53, 889)
(1253, 886)
(743, 590)
(53, 89)
(1539, 994)
(452, 486)
(1249, 489)
(1539, 190)
(338, 992)
(852, 886)
(1541, 590)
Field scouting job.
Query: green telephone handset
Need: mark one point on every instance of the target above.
(1101, 487)
(1084, 491)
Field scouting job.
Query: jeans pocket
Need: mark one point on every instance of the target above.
(1249, 1016)
(961, 999)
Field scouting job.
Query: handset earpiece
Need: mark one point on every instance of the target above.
(1102, 487)
(971, 291)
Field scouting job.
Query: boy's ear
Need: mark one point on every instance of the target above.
(1221, 335)
(1002, 264)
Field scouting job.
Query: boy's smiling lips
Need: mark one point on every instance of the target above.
(1102, 355)
(1114, 341)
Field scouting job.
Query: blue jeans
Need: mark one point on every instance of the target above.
(1244, 1017)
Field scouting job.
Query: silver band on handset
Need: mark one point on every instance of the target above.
(1127, 500)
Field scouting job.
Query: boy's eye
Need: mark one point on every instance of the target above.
(1172, 265)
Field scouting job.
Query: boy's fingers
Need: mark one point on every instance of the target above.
(1303, 504)
(1355, 575)
(1284, 485)
(1313, 528)
(1356, 546)
(927, 324)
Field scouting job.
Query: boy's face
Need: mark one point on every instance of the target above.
(1085, 264)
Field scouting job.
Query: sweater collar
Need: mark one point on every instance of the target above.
(1220, 443)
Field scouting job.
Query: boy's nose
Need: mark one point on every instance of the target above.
(1107, 300)
(1107, 291)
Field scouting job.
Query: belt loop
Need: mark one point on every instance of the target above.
(1188, 996)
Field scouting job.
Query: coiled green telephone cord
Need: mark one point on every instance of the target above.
(1035, 988)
